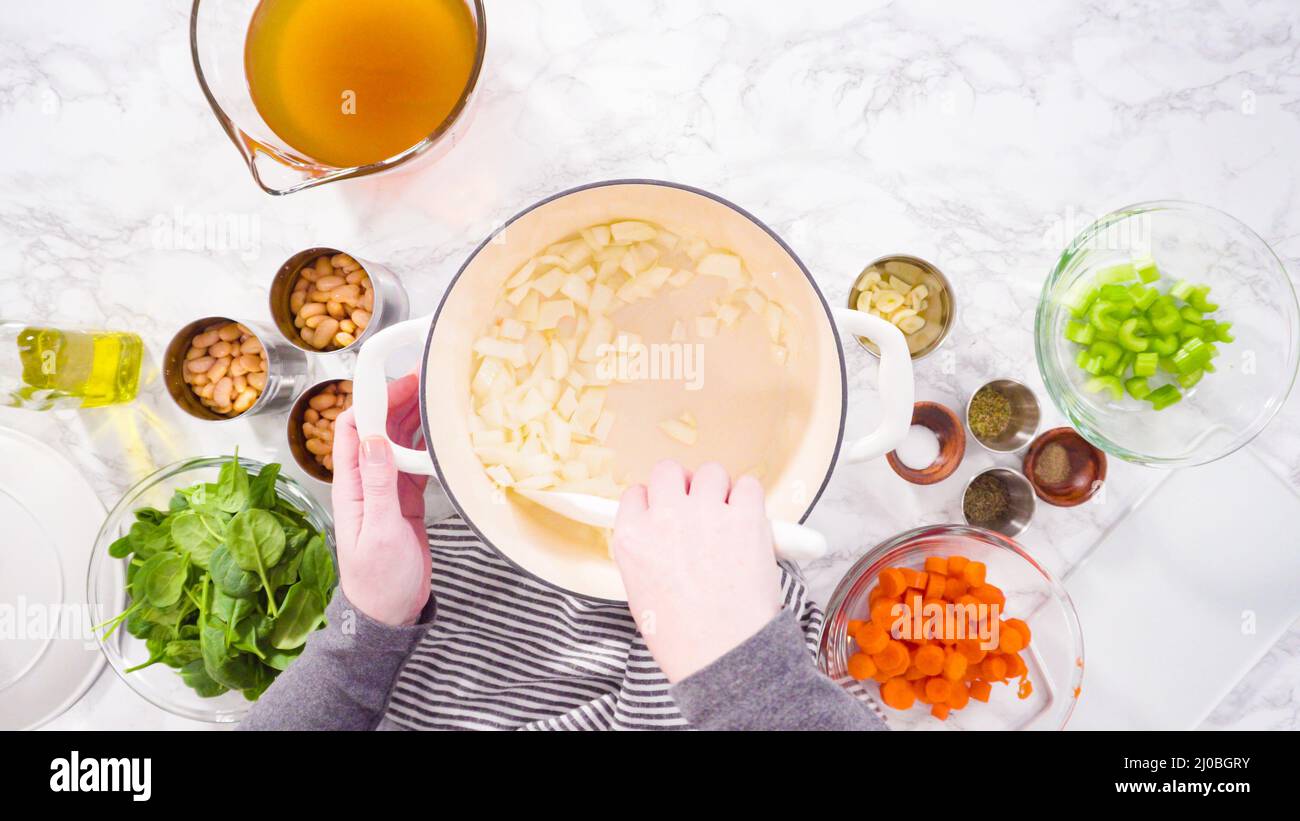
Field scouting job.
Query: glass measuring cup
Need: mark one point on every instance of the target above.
(218, 29)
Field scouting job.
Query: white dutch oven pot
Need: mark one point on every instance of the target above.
(573, 557)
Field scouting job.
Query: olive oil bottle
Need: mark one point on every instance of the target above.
(45, 368)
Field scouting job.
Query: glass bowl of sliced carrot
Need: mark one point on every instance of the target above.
(949, 626)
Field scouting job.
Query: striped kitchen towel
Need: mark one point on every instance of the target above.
(507, 652)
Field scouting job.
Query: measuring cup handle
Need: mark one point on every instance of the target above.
(894, 381)
(370, 390)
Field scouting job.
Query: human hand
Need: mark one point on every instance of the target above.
(696, 557)
(383, 551)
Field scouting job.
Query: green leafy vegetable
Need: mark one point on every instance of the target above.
(227, 584)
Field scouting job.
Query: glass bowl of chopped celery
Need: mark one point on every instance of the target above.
(167, 568)
(1168, 334)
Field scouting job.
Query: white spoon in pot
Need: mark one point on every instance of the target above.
(793, 541)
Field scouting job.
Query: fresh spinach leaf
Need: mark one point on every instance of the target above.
(255, 539)
(317, 569)
(232, 486)
(161, 579)
(195, 675)
(150, 514)
(261, 490)
(302, 612)
(229, 577)
(121, 548)
(148, 538)
(198, 534)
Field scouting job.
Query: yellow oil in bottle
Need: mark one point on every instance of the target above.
(77, 368)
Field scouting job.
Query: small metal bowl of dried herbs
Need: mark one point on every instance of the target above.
(1003, 415)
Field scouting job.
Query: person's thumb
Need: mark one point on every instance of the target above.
(378, 479)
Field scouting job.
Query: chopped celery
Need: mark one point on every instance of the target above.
(1146, 269)
(1093, 364)
(1129, 338)
(1145, 364)
(1192, 356)
(1110, 384)
(1199, 299)
(1117, 294)
(1106, 316)
(1122, 366)
(1143, 297)
(1190, 314)
(1109, 352)
(1137, 387)
(1080, 296)
(1181, 289)
(1223, 332)
(1164, 316)
(1190, 331)
(1164, 396)
(1164, 345)
(1080, 332)
(1123, 272)
(1187, 380)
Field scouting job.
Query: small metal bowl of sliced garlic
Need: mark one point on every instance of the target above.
(912, 294)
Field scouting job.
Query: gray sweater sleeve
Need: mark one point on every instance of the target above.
(343, 677)
(770, 683)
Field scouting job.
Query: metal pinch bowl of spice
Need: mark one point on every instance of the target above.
(1003, 415)
(999, 499)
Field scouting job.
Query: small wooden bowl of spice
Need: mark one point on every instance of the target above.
(933, 448)
(999, 499)
(1003, 415)
(1064, 468)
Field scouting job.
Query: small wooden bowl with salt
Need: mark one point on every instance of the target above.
(1063, 468)
(940, 422)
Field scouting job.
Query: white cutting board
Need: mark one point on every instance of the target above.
(1185, 594)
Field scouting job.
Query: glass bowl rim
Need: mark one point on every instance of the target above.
(317, 514)
(835, 621)
(1046, 312)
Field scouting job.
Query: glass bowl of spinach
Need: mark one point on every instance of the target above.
(207, 578)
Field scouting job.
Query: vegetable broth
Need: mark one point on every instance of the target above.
(351, 83)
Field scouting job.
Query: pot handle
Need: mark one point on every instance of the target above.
(370, 390)
(894, 382)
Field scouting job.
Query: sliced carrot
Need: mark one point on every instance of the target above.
(954, 587)
(854, 625)
(957, 564)
(1009, 639)
(940, 711)
(871, 638)
(954, 666)
(993, 668)
(893, 659)
(1026, 689)
(937, 689)
(935, 587)
(861, 666)
(892, 582)
(936, 564)
(898, 694)
(981, 690)
(929, 660)
(881, 676)
(909, 576)
(967, 599)
(973, 573)
(959, 697)
(1015, 665)
(989, 594)
(913, 673)
(970, 648)
(1021, 627)
(882, 613)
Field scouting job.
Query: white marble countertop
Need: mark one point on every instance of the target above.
(980, 136)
